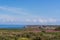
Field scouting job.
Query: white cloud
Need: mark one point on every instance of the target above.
(9, 19)
(12, 19)
(49, 20)
(52, 20)
(34, 20)
(29, 18)
(18, 11)
(5, 18)
(42, 20)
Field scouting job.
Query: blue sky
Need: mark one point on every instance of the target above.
(30, 12)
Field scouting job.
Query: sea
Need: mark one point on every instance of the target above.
(12, 26)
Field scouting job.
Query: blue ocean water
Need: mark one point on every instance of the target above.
(12, 26)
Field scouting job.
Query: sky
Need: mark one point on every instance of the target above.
(30, 12)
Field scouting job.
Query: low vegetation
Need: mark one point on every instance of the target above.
(28, 34)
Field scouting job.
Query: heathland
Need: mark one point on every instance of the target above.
(31, 32)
